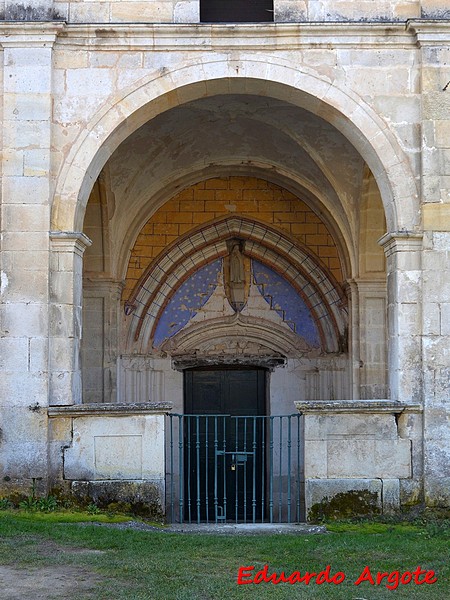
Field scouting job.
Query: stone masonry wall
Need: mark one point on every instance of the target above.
(188, 11)
(249, 196)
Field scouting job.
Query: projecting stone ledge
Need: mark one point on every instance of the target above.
(356, 406)
(109, 409)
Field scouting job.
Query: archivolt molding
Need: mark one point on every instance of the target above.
(168, 271)
(238, 335)
(267, 75)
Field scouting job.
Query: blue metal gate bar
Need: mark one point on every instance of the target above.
(271, 470)
(206, 474)
(188, 479)
(299, 486)
(280, 487)
(254, 471)
(289, 441)
(216, 447)
(239, 468)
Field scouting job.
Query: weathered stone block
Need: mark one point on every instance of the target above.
(128, 447)
(316, 466)
(24, 319)
(289, 11)
(340, 498)
(13, 353)
(142, 497)
(350, 426)
(391, 496)
(18, 385)
(351, 458)
(159, 12)
(186, 11)
(392, 459)
(63, 388)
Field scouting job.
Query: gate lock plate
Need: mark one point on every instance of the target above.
(239, 458)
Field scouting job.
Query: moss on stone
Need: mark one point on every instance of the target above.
(354, 503)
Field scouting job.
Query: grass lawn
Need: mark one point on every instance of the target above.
(158, 565)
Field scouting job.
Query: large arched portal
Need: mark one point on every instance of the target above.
(234, 240)
(174, 199)
(237, 233)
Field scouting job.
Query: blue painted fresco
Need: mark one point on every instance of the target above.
(286, 301)
(187, 301)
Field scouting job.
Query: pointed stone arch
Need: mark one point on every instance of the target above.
(312, 281)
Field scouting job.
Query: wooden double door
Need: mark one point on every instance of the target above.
(224, 444)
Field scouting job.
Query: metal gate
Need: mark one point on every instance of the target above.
(243, 469)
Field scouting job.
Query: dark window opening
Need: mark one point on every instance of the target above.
(236, 11)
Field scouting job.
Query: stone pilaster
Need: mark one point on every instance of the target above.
(436, 365)
(25, 210)
(433, 39)
(101, 306)
(372, 319)
(66, 266)
(404, 283)
(354, 341)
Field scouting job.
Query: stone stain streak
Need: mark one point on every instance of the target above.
(28, 12)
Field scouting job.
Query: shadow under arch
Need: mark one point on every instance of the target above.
(339, 106)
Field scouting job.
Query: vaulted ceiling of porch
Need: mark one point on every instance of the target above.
(234, 134)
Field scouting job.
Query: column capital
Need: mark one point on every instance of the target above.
(96, 284)
(64, 241)
(376, 285)
(401, 241)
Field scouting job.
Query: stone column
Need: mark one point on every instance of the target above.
(25, 218)
(66, 272)
(404, 288)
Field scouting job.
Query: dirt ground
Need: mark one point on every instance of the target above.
(48, 582)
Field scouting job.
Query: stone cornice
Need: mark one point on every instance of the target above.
(21, 34)
(355, 406)
(430, 32)
(241, 36)
(109, 409)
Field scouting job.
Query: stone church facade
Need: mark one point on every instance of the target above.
(184, 199)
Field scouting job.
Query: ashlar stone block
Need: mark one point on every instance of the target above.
(351, 458)
(127, 447)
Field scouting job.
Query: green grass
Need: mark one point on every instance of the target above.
(159, 565)
(64, 516)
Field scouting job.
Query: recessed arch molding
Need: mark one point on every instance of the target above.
(310, 279)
